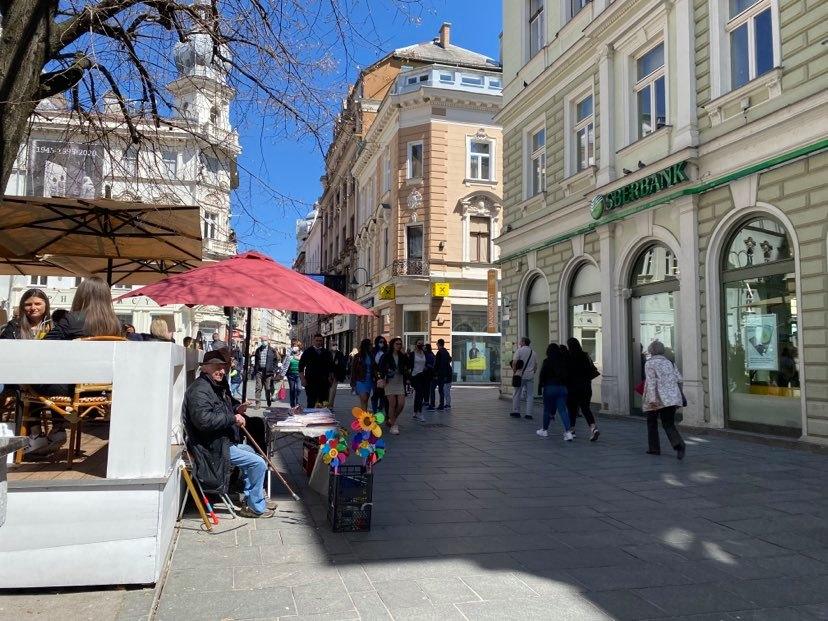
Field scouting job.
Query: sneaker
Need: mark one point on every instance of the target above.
(430, 408)
(419, 417)
(543, 433)
(247, 512)
(568, 436)
(680, 452)
(595, 434)
(448, 407)
(572, 433)
(515, 414)
(440, 408)
(395, 430)
(528, 417)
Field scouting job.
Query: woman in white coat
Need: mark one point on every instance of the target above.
(662, 396)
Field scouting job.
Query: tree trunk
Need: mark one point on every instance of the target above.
(24, 51)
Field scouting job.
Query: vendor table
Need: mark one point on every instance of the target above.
(282, 436)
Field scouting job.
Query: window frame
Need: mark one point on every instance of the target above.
(491, 143)
(535, 20)
(208, 220)
(530, 156)
(574, 126)
(408, 256)
(39, 281)
(474, 241)
(649, 81)
(168, 171)
(409, 164)
(748, 18)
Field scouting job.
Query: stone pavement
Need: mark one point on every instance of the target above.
(476, 517)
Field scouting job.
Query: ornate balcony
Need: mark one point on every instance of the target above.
(409, 267)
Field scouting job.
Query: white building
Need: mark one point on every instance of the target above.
(190, 159)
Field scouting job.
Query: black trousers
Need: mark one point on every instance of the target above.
(420, 383)
(317, 392)
(579, 399)
(668, 422)
(379, 402)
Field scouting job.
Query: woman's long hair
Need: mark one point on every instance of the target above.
(94, 300)
(160, 329)
(365, 348)
(574, 346)
(27, 330)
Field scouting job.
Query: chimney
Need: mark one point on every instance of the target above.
(445, 35)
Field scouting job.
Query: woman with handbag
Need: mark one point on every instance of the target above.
(579, 387)
(392, 377)
(662, 396)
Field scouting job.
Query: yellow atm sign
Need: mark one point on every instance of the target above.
(440, 289)
(388, 291)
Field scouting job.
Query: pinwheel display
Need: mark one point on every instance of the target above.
(367, 422)
(334, 447)
(367, 446)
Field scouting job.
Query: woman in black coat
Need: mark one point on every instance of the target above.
(579, 387)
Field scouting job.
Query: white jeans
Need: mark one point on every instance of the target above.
(524, 392)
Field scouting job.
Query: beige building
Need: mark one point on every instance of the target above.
(428, 187)
(666, 179)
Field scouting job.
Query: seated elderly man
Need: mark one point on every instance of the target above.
(212, 419)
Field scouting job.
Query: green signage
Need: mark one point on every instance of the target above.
(649, 185)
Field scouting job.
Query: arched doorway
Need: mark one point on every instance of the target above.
(760, 329)
(654, 287)
(537, 313)
(585, 316)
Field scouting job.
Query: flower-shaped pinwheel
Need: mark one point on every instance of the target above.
(334, 447)
(368, 446)
(365, 421)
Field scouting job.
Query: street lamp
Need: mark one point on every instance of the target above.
(355, 282)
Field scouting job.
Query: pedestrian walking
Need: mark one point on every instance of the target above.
(235, 379)
(662, 397)
(379, 403)
(339, 369)
(524, 365)
(420, 378)
(579, 387)
(443, 375)
(291, 370)
(431, 388)
(552, 382)
(363, 370)
(316, 372)
(394, 373)
(264, 361)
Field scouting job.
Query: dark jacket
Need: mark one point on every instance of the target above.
(581, 371)
(210, 427)
(270, 362)
(317, 366)
(339, 364)
(12, 329)
(387, 365)
(71, 326)
(553, 371)
(442, 366)
(363, 369)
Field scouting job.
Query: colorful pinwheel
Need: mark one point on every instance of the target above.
(367, 422)
(334, 447)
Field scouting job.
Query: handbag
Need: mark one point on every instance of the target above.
(282, 392)
(517, 377)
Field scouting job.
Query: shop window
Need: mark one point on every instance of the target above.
(415, 327)
(475, 352)
(761, 330)
(585, 319)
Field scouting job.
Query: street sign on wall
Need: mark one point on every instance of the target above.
(440, 289)
(388, 291)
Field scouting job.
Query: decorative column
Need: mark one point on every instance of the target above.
(606, 116)
(686, 133)
(689, 309)
(610, 312)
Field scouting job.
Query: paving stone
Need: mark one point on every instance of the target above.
(628, 576)
(282, 575)
(625, 605)
(772, 592)
(397, 595)
(695, 599)
(370, 607)
(323, 597)
(202, 579)
(447, 590)
(262, 603)
(532, 609)
(508, 586)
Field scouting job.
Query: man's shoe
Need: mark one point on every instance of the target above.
(430, 408)
(35, 444)
(515, 414)
(595, 434)
(419, 417)
(440, 408)
(247, 512)
(680, 452)
(528, 417)
(653, 452)
(272, 504)
(543, 433)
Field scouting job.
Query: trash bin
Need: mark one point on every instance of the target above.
(349, 499)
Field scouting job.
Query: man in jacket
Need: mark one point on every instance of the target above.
(316, 372)
(339, 371)
(443, 374)
(264, 366)
(211, 421)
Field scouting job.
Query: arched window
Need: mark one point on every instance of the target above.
(654, 288)
(585, 315)
(760, 329)
(537, 313)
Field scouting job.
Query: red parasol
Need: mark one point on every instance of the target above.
(250, 280)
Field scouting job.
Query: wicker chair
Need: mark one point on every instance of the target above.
(86, 400)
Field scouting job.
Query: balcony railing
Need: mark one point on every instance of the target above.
(409, 267)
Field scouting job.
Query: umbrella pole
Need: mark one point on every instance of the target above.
(109, 272)
(247, 327)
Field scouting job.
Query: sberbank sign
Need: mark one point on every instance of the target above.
(649, 185)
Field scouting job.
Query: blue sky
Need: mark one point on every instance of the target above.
(292, 169)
